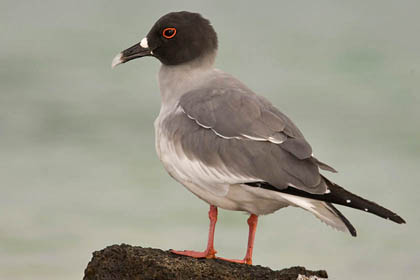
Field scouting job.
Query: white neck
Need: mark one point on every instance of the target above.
(175, 80)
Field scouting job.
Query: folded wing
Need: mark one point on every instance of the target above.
(232, 128)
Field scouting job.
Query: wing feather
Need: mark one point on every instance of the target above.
(225, 124)
(239, 113)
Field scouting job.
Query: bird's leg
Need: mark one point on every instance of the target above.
(252, 222)
(209, 253)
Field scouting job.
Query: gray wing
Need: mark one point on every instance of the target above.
(245, 134)
(238, 113)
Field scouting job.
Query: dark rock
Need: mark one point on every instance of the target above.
(125, 262)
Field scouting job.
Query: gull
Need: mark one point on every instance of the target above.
(229, 146)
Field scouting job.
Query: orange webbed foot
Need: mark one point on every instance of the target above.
(246, 260)
(208, 254)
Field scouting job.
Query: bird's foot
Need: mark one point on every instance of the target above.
(246, 260)
(208, 254)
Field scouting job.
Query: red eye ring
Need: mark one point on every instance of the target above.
(169, 32)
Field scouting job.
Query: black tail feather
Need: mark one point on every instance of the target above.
(339, 195)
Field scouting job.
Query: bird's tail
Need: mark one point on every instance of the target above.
(324, 211)
(339, 195)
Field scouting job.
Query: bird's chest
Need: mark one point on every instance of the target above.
(163, 144)
(199, 178)
(166, 147)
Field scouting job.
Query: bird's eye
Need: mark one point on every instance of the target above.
(169, 32)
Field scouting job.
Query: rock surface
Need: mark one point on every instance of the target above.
(126, 262)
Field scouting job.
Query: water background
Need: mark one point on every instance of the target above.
(78, 169)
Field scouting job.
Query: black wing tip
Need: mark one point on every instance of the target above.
(363, 204)
(337, 197)
(397, 219)
(351, 230)
(346, 222)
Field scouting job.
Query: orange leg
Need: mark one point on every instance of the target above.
(252, 222)
(209, 253)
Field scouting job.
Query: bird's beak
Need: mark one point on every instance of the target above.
(138, 50)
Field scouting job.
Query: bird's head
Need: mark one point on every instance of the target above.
(176, 38)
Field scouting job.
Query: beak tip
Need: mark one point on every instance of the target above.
(117, 60)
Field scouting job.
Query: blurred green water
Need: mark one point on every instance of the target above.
(78, 170)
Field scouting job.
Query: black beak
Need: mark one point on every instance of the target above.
(133, 52)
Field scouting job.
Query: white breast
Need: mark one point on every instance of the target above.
(215, 180)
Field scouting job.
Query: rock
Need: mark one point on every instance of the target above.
(125, 262)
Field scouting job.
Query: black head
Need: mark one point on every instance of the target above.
(176, 38)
